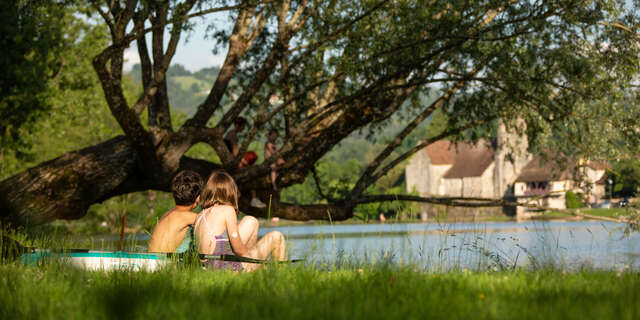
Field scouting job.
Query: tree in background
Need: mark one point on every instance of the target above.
(32, 40)
(626, 178)
(340, 67)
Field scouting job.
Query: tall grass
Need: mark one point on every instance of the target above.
(303, 292)
(372, 284)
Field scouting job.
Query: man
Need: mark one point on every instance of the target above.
(174, 231)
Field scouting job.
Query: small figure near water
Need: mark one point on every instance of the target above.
(218, 231)
(173, 233)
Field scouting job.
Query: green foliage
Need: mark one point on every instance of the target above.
(540, 62)
(626, 178)
(33, 37)
(79, 116)
(573, 200)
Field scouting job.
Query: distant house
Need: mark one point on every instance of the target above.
(503, 169)
(546, 181)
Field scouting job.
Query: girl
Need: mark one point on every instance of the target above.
(217, 226)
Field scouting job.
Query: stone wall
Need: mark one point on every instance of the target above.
(417, 173)
(511, 156)
(437, 172)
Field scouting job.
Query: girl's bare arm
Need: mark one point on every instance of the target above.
(234, 237)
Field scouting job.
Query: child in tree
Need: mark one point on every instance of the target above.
(174, 231)
(271, 148)
(248, 159)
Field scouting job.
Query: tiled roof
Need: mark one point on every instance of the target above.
(541, 169)
(555, 169)
(471, 160)
(441, 152)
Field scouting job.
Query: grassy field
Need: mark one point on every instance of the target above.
(303, 292)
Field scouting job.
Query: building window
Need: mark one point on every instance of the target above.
(537, 188)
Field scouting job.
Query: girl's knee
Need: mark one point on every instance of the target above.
(276, 235)
(251, 221)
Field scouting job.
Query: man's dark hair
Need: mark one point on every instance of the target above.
(186, 187)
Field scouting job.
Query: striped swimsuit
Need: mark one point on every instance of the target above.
(222, 246)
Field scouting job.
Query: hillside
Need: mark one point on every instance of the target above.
(186, 89)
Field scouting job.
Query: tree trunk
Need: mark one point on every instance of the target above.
(65, 187)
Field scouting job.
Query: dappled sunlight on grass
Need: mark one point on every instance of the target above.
(57, 291)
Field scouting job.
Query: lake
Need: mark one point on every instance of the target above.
(444, 246)
(490, 245)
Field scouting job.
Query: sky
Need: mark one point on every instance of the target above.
(194, 51)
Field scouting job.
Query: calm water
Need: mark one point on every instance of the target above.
(490, 245)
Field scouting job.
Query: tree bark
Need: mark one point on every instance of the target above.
(65, 187)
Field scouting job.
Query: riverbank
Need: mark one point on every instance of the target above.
(82, 227)
(548, 215)
(303, 292)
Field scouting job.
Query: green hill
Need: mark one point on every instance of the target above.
(186, 89)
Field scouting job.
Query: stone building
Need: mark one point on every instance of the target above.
(502, 169)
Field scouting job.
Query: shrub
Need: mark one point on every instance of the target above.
(573, 200)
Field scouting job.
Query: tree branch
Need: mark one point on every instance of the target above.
(237, 49)
(316, 181)
(365, 178)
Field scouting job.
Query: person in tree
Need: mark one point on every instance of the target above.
(270, 148)
(174, 231)
(248, 159)
(218, 231)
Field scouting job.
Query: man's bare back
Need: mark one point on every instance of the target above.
(171, 230)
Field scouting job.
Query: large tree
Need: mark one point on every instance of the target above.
(339, 67)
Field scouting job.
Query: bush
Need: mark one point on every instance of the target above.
(573, 200)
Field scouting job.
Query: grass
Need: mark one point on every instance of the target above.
(303, 292)
(556, 214)
(602, 212)
(338, 290)
(612, 212)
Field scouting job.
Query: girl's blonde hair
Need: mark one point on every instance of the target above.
(219, 189)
